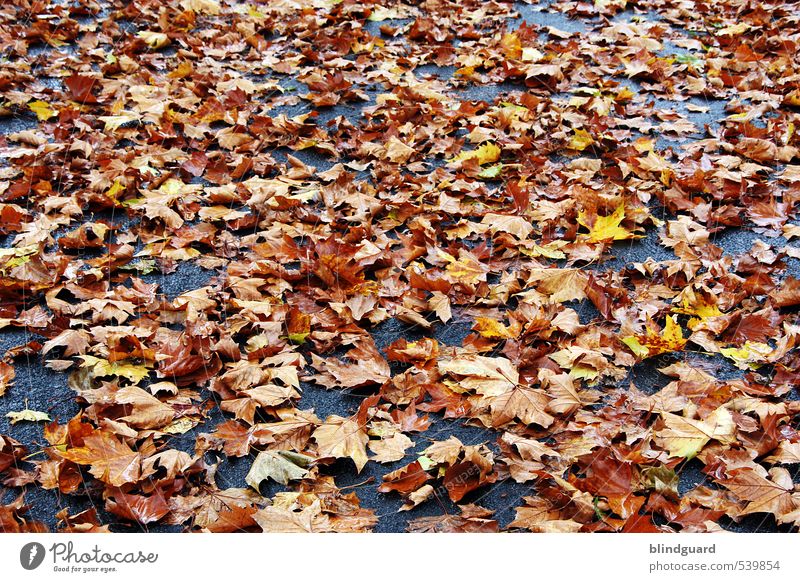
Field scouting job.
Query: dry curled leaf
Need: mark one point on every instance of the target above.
(342, 437)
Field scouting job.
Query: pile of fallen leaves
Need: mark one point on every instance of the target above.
(165, 132)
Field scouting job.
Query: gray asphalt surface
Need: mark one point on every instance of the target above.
(43, 389)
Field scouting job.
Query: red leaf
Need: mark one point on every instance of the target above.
(80, 87)
(137, 507)
(405, 480)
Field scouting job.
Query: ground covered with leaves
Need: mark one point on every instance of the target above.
(452, 265)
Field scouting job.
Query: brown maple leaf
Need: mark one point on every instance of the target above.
(110, 460)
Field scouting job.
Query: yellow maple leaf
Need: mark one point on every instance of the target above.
(115, 189)
(685, 437)
(511, 45)
(792, 98)
(101, 367)
(624, 94)
(700, 304)
(550, 250)
(604, 228)
(580, 140)
(10, 258)
(464, 269)
(183, 70)
(484, 154)
(751, 355)
(42, 109)
(493, 329)
(653, 343)
(254, 12)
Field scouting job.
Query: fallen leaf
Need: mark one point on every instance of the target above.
(110, 460)
(27, 415)
(340, 438)
(42, 109)
(686, 437)
(389, 450)
(653, 342)
(483, 154)
(280, 466)
(486, 376)
(604, 228)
